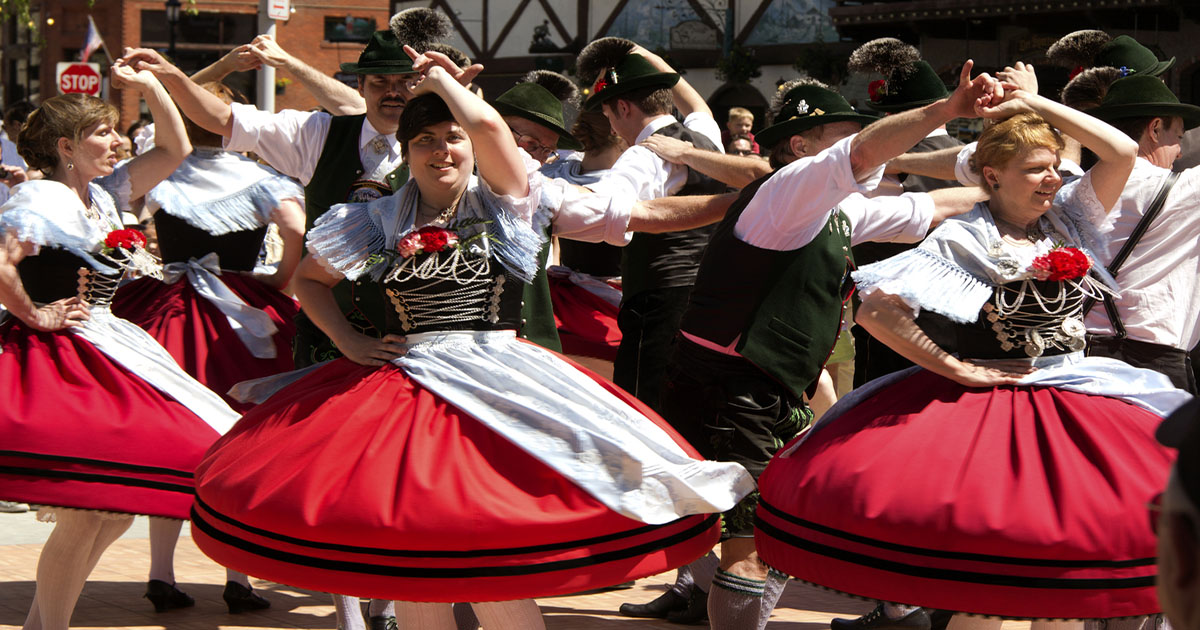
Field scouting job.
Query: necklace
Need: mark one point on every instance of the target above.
(442, 216)
(1033, 233)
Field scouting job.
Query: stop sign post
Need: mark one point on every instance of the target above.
(82, 78)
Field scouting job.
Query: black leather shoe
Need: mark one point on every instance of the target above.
(381, 622)
(166, 597)
(658, 608)
(939, 619)
(241, 599)
(876, 620)
(696, 611)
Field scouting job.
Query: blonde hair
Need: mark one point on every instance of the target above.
(740, 113)
(1018, 135)
(65, 116)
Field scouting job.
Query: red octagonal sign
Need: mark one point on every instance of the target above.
(81, 78)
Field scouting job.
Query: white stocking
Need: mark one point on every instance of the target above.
(349, 613)
(522, 614)
(237, 576)
(69, 555)
(164, 533)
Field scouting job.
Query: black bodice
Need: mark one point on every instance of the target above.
(55, 274)
(480, 295)
(1012, 326)
(178, 241)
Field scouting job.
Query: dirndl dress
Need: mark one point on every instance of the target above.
(96, 417)
(1023, 501)
(477, 467)
(220, 324)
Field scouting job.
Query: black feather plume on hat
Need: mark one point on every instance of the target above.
(459, 57)
(780, 96)
(420, 27)
(561, 87)
(603, 53)
(1078, 49)
(887, 55)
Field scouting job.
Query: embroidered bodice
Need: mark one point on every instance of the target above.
(1026, 319)
(56, 274)
(179, 241)
(451, 290)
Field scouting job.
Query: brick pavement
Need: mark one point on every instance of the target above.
(113, 598)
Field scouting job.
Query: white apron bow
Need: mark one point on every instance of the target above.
(253, 326)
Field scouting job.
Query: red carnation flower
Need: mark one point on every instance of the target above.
(876, 90)
(125, 239)
(433, 239)
(600, 85)
(1063, 263)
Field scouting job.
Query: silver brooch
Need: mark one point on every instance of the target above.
(802, 107)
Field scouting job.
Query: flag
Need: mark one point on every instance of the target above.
(93, 43)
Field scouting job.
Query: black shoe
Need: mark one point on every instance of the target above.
(381, 622)
(166, 597)
(696, 611)
(939, 619)
(241, 598)
(876, 620)
(658, 608)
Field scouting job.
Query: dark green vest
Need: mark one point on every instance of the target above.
(786, 306)
(332, 183)
(537, 310)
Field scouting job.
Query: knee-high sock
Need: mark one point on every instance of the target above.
(522, 614)
(425, 616)
(164, 533)
(967, 622)
(734, 601)
(348, 612)
(69, 555)
(381, 608)
(464, 617)
(704, 569)
(772, 590)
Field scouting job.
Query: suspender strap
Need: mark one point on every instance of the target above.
(1110, 306)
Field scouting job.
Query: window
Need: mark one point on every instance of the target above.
(349, 29)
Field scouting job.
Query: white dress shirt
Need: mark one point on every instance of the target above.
(1160, 281)
(291, 141)
(793, 206)
(641, 170)
(579, 214)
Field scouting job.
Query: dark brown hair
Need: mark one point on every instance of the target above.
(420, 113)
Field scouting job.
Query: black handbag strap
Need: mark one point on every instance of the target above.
(1110, 306)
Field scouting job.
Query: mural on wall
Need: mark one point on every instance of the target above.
(650, 22)
(794, 22)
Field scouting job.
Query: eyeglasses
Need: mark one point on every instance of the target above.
(536, 149)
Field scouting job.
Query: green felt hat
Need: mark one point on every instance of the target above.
(383, 55)
(1141, 96)
(907, 88)
(805, 107)
(633, 73)
(1125, 52)
(536, 104)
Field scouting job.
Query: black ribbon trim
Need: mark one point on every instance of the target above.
(97, 478)
(432, 553)
(156, 470)
(435, 572)
(954, 575)
(958, 555)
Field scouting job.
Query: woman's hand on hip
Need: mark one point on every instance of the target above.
(365, 350)
(65, 313)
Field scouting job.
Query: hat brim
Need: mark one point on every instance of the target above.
(1175, 427)
(662, 80)
(565, 139)
(1161, 67)
(889, 108)
(392, 67)
(1189, 113)
(771, 136)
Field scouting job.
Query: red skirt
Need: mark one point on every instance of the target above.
(1014, 501)
(587, 324)
(79, 430)
(198, 335)
(359, 480)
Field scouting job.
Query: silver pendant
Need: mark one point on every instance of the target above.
(1034, 345)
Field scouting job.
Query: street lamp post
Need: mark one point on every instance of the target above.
(172, 20)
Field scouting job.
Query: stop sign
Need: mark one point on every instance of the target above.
(81, 78)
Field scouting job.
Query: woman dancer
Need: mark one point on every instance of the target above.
(93, 401)
(1035, 462)
(449, 461)
(222, 322)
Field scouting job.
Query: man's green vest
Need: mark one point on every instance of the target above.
(332, 183)
(784, 308)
